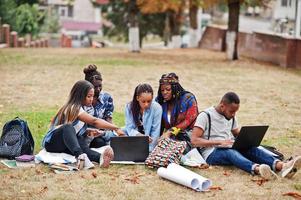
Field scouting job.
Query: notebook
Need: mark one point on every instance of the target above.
(249, 136)
(130, 150)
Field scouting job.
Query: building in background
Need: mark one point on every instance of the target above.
(78, 18)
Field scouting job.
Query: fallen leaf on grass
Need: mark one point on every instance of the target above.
(215, 188)
(260, 181)
(226, 173)
(94, 174)
(43, 190)
(295, 195)
(38, 171)
(134, 178)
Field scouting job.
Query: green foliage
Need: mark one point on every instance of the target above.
(27, 19)
(51, 23)
(7, 12)
(119, 16)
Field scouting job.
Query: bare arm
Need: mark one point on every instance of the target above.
(98, 123)
(235, 132)
(198, 141)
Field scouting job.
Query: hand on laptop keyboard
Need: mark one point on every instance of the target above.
(225, 143)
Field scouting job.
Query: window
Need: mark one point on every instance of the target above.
(62, 12)
(284, 3)
(70, 11)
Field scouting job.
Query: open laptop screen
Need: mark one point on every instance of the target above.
(131, 148)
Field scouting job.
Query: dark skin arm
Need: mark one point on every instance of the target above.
(198, 141)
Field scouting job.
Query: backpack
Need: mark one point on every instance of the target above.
(16, 139)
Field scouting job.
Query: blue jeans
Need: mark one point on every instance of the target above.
(243, 159)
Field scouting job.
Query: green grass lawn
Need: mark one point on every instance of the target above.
(38, 122)
(36, 82)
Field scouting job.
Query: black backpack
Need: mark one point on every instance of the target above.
(16, 139)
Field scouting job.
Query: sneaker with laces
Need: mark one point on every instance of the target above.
(290, 168)
(266, 172)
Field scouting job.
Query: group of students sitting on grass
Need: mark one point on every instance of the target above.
(85, 122)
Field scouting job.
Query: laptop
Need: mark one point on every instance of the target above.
(130, 150)
(249, 136)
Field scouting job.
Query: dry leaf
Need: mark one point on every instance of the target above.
(134, 178)
(43, 190)
(94, 174)
(226, 173)
(293, 194)
(260, 181)
(38, 171)
(215, 188)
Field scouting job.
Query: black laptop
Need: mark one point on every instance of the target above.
(130, 150)
(249, 136)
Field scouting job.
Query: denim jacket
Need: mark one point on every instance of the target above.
(151, 120)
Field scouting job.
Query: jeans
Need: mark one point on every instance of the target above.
(92, 155)
(243, 159)
(64, 140)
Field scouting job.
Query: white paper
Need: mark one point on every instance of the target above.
(185, 177)
(193, 158)
(47, 157)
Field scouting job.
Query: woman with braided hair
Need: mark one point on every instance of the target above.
(179, 108)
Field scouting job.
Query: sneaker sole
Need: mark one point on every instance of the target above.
(108, 155)
(290, 172)
(267, 173)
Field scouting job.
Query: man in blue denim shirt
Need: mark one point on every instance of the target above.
(222, 134)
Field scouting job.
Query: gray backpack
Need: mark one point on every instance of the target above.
(16, 139)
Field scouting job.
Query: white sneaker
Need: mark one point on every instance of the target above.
(266, 172)
(290, 168)
(88, 164)
(84, 162)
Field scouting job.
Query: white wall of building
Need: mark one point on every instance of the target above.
(285, 9)
(83, 11)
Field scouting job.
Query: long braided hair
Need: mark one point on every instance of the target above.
(176, 89)
(134, 104)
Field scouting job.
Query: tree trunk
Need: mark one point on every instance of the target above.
(134, 43)
(193, 19)
(175, 24)
(167, 29)
(232, 33)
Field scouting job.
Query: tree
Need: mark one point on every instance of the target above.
(173, 10)
(51, 22)
(233, 22)
(193, 21)
(27, 19)
(22, 15)
(133, 11)
(119, 16)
